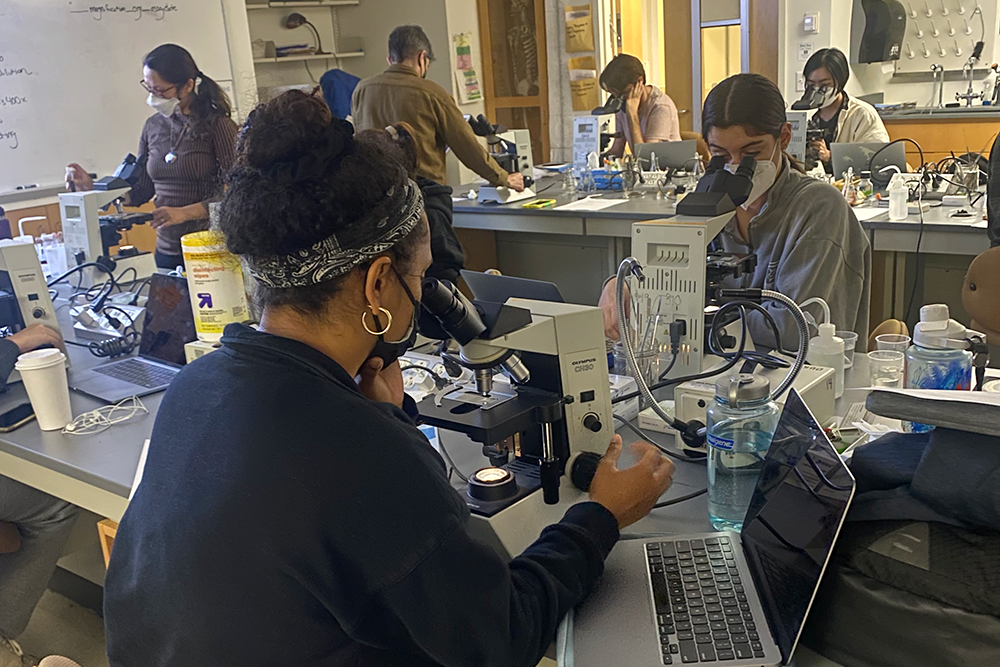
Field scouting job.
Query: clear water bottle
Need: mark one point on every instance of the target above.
(741, 424)
(938, 358)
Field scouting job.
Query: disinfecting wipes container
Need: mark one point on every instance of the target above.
(215, 280)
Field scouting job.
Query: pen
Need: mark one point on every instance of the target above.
(27, 187)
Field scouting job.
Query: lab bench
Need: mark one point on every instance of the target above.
(578, 250)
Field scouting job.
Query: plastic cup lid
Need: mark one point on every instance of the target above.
(37, 359)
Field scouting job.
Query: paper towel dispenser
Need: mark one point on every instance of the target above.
(885, 25)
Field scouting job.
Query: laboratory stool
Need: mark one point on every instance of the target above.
(10, 539)
(57, 661)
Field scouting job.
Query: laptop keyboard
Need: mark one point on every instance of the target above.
(702, 610)
(138, 372)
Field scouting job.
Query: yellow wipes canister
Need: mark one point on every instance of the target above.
(215, 281)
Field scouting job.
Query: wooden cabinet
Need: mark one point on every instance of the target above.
(938, 137)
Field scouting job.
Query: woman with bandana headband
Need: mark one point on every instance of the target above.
(841, 118)
(807, 241)
(290, 511)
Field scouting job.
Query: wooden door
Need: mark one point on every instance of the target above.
(515, 68)
(764, 38)
(678, 66)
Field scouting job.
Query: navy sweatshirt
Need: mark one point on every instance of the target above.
(285, 519)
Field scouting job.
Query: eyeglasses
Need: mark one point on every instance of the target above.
(156, 91)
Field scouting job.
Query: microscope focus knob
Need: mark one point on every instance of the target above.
(593, 422)
(38, 313)
(582, 468)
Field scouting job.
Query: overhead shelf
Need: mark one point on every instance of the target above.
(325, 56)
(303, 3)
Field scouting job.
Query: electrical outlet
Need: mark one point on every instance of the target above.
(800, 82)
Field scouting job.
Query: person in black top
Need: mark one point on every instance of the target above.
(993, 195)
(447, 255)
(290, 511)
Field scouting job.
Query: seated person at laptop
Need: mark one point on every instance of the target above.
(447, 256)
(648, 114)
(34, 526)
(319, 525)
(842, 118)
(807, 240)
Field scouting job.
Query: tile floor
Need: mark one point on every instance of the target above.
(62, 627)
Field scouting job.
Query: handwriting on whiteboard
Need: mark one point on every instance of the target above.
(135, 12)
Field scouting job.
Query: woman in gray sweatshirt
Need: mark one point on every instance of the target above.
(807, 240)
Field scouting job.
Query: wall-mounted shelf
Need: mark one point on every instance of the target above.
(325, 56)
(303, 3)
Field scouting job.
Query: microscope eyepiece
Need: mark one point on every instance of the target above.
(457, 315)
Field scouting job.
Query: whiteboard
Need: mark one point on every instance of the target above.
(69, 79)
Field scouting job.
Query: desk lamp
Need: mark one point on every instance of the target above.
(297, 20)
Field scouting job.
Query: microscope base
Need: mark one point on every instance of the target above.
(514, 529)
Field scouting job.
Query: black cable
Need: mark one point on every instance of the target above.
(920, 210)
(120, 280)
(138, 290)
(700, 376)
(670, 367)
(436, 376)
(645, 436)
(676, 501)
(78, 269)
(766, 360)
(547, 188)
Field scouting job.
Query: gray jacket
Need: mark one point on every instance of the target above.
(808, 244)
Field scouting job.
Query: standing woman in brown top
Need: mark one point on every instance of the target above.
(189, 145)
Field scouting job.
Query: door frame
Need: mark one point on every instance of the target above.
(539, 101)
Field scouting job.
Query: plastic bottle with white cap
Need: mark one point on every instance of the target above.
(827, 350)
(938, 358)
(898, 196)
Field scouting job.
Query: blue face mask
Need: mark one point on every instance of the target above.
(390, 351)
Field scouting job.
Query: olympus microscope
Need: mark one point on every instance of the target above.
(89, 235)
(681, 295)
(557, 404)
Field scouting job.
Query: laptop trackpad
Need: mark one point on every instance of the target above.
(624, 587)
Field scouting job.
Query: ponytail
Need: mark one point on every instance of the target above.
(175, 65)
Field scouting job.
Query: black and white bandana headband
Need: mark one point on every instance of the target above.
(331, 257)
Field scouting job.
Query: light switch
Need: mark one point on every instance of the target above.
(810, 23)
(800, 82)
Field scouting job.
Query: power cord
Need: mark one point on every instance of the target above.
(697, 458)
(677, 501)
(920, 210)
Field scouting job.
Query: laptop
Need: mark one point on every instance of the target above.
(859, 155)
(497, 289)
(168, 326)
(669, 154)
(727, 599)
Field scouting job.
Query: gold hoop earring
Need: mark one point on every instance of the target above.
(388, 316)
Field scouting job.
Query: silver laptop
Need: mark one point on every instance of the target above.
(168, 326)
(859, 156)
(669, 154)
(727, 599)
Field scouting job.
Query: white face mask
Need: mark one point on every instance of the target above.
(164, 106)
(763, 177)
(828, 97)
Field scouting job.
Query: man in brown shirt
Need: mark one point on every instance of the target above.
(403, 94)
(648, 114)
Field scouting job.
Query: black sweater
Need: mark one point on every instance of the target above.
(285, 519)
(448, 258)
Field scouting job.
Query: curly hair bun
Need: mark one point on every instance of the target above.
(301, 176)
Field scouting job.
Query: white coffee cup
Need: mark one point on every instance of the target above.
(44, 375)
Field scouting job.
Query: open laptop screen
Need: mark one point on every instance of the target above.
(169, 322)
(793, 520)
